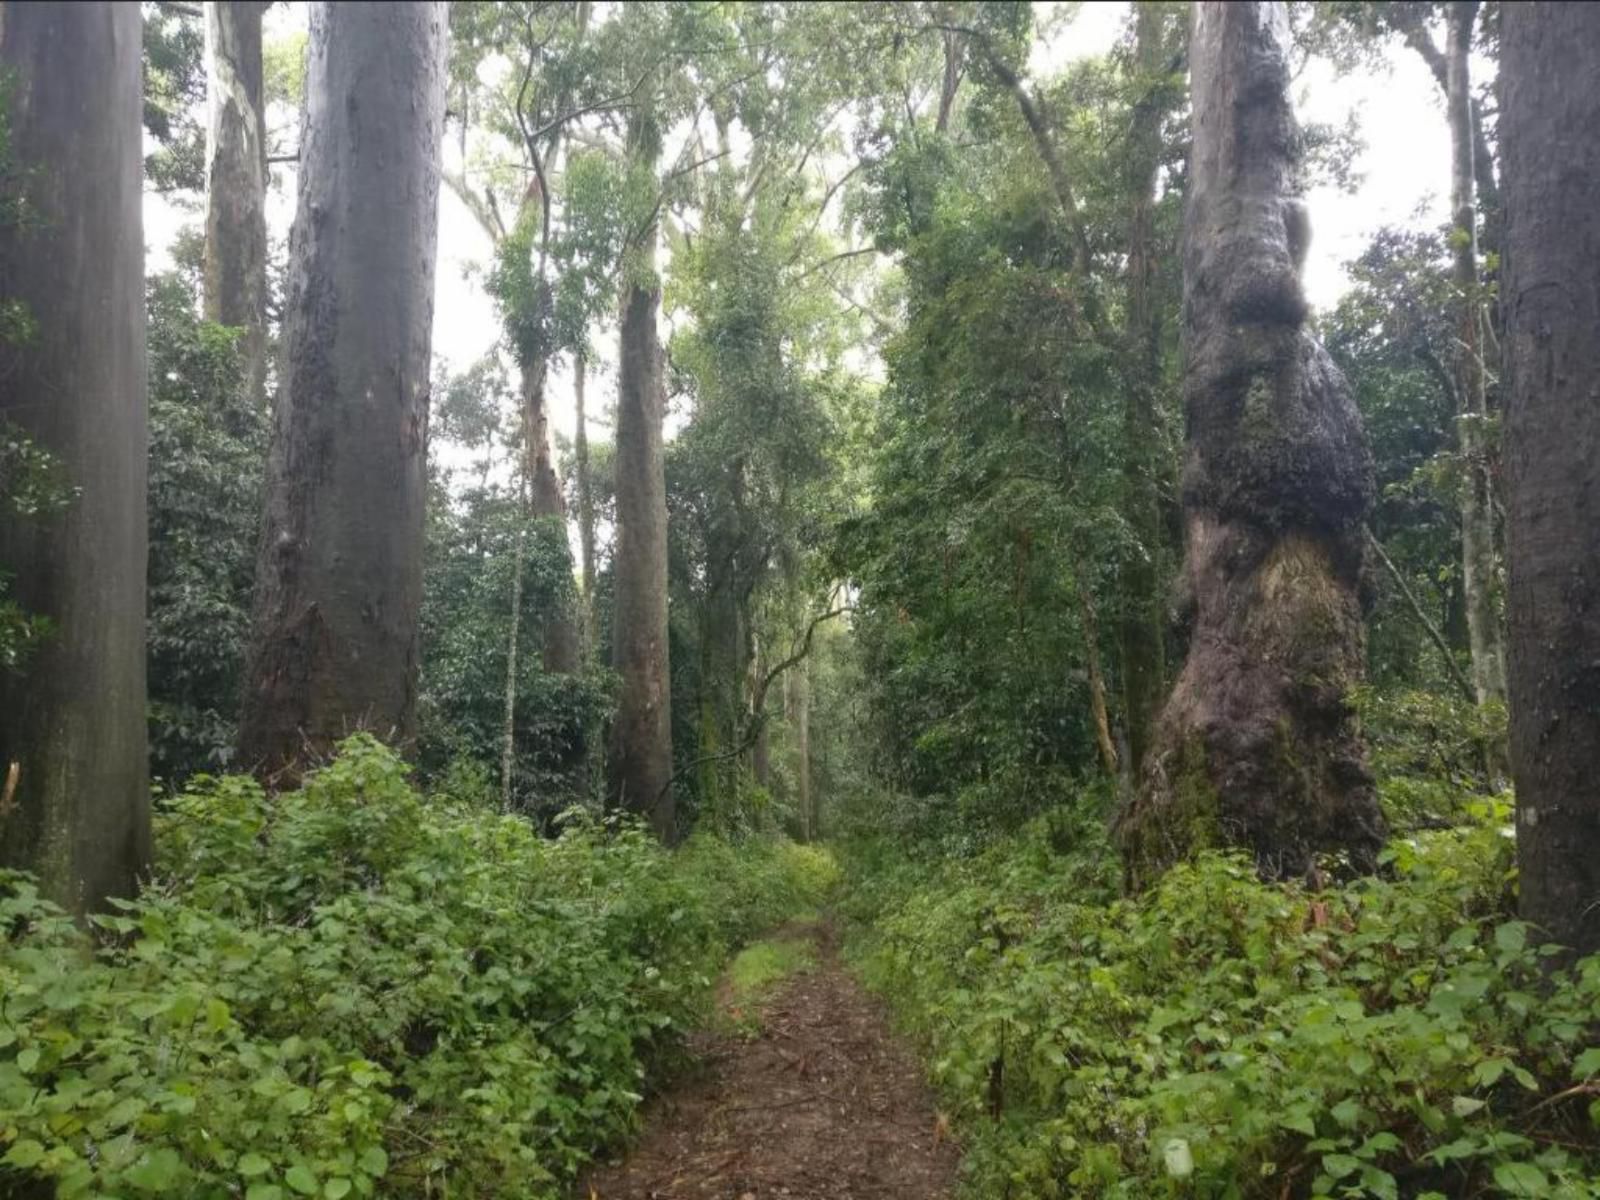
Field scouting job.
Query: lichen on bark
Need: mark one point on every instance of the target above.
(1258, 745)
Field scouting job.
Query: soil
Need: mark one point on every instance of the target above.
(819, 1102)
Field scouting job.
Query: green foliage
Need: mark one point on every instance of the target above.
(467, 590)
(354, 990)
(1428, 752)
(174, 93)
(32, 486)
(208, 444)
(1221, 1037)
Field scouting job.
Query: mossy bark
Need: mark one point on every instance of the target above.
(1258, 745)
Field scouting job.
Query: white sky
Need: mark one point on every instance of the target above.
(1404, 170)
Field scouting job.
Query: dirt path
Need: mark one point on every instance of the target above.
(821, 1102)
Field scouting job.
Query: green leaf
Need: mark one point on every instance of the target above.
(263, 1191)
(23, 1154)
(1465, 1106)
(1587, 1064)
(1511, 937)
(300, 1178)
(374, 1161)
(337, 1187)
(1177, 1158)
(156, 1170)
(1521, 1179)
(1340, 1165)
(252, 1163)
(28, 1059)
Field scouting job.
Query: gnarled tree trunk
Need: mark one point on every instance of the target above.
(339, 576)
(74, 800)
(639, 761)
(236, 182)
(1258, 746)
(1550, 130)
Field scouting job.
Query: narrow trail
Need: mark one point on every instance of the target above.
(819, 1102)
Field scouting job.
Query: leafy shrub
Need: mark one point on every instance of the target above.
(1428, 752)
(354, 990)
(1219, 1037)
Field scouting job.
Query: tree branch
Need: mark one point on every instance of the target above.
(1453, 667)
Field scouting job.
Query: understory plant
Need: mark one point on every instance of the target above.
(1220, 1037)
(354, 989)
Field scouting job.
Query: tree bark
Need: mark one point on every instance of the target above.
(339, 574)
(236, 182)
(1142, 627)
(72, 724)
(1258, 744)
(508, 720)
(580, 451)
(559, 652)
(639, 767)
(1550, 130)
(800, 718)
(1477, 497)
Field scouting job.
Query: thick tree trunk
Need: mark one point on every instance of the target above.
(580, 452)
(1142, 629)
(639, 767)
(72, 723)
(1550, 130)
(1258, 745)
(236, 182)
(339, 576)
(560, 643)
(1477, 499)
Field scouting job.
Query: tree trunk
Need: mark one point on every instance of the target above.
(1142, 629)
(1477, 501)
(800, 719)
(1258, 745)
(580, 451)
(236, 182)
(560, 649)
(508, 721)
(1550, 131)
(72, 723)
(1097, 685)
(339, 575)
(761, 751)
(639, 767)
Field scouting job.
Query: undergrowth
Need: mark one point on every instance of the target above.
(352, 989)
(1220, 1037)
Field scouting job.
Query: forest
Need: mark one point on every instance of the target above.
(782, 600)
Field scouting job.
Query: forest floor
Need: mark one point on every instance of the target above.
(802, 1092)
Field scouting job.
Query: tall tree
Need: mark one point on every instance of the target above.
(339, 576)
(74, 805)
(639, 759)
(1258, 745)
(1143, 617)
(1478, 559)
(1550, 128)
(236, 182)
